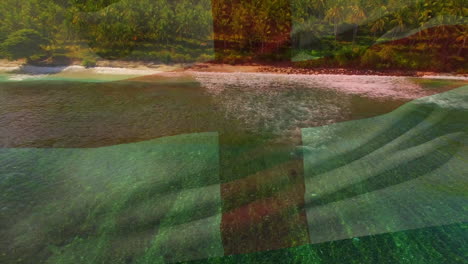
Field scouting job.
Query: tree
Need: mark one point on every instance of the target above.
(356, 16)
(23, 43)
(399, 21)
(463, 35)
(335, 15)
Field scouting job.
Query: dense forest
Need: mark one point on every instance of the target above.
(163, 30)
(407, 34)
(403, 34)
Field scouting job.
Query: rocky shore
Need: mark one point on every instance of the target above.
(340, 71)
(288, 68)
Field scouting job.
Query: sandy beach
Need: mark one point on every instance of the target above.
(136, 68)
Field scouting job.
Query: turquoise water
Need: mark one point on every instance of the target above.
(233, 168)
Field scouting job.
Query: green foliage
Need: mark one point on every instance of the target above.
(88, 62)
(3, 36)
(348, 54)
(23, 43)
(181, 58)
(441, 37)
(205, 57)
(115, 29)
(370, 58)
(182, 31)
(388, 53)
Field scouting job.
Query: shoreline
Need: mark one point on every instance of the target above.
(286, 68)
(142, 68)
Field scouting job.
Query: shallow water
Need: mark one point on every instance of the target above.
(90, 113)
(230, 160)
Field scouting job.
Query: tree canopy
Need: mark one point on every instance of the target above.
(23, 43)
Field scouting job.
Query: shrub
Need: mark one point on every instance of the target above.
(388, 53)
(166, 57)
(23, 43)
(315, 63)
(370, 58)
(36, 58)
(401, 62)
(205, 57)
(3, 36)
(343, 56)
(230, 59)
(188, 58)
(341, 59)
(88, 62)
(381, 66)
(178, 58)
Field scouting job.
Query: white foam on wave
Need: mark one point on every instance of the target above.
(8, 68)
(75, 72)
(23, 77)
(456, 99)
(445, 77)
(80, 69)
(124, 71)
